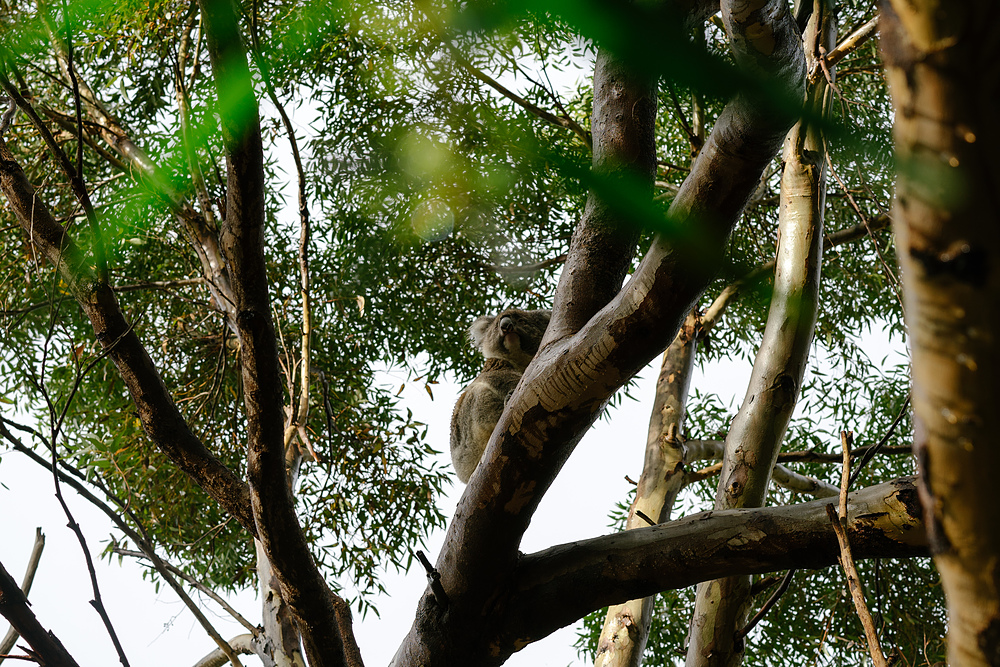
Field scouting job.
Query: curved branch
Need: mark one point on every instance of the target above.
(242, 645)
(587, 355)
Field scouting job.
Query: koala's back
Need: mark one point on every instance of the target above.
(476, 414)
(509, 341)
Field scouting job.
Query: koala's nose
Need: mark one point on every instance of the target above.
(506, 324)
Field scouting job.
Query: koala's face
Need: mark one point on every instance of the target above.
(513, 335)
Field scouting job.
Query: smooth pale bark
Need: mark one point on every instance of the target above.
(626, 626)
(571, 379)
(29, 577)
(755, 436)
(944, 77)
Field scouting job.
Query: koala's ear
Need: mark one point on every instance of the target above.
(478, 330)
(542, 315)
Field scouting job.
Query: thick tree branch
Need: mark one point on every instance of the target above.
(571, 379)
(320, 615)
(626, 626)
(14, 607)
(884, 521)
(757, 432)
(944, 77)
(624, 165)
(29, 576)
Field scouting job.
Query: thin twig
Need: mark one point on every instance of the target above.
(565, 122)
(143, 542)
(254, 630)
(870, 452)
(527, 268)
(847, 560)
(771, 601)
(434, 577)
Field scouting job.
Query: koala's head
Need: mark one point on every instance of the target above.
(513, 335)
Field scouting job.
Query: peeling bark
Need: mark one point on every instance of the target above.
(626, 626)
(561, 584)
(570, 380)
(942, 68)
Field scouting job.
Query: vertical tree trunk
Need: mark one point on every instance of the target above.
(626, 626)
(943, 75)
(755, 436)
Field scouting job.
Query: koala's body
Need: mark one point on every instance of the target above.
(509, 342)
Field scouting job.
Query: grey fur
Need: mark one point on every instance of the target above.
(509, 342)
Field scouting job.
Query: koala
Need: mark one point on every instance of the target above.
(509, 342)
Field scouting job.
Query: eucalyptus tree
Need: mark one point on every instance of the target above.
(178, 329)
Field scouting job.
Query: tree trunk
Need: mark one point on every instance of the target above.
(942, 68)
(755, 436)
(626, 626)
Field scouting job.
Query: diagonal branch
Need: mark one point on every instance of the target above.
(14, 607)
(29, 576)
(161, 419)
(594, 344)
(322, 617)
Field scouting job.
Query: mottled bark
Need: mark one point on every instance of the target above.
(570, 380)
(624, 161)
(755, 436)
(558, 585)
(943, 72)
(626, 626)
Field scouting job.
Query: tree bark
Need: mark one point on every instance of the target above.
(320, 615)
(943, 72)
(561, 584)
(571, 379)
(626, 626)
(14, 607)
(160, 417)
(755, 437)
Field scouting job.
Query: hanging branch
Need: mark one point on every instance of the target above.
(839, 521)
